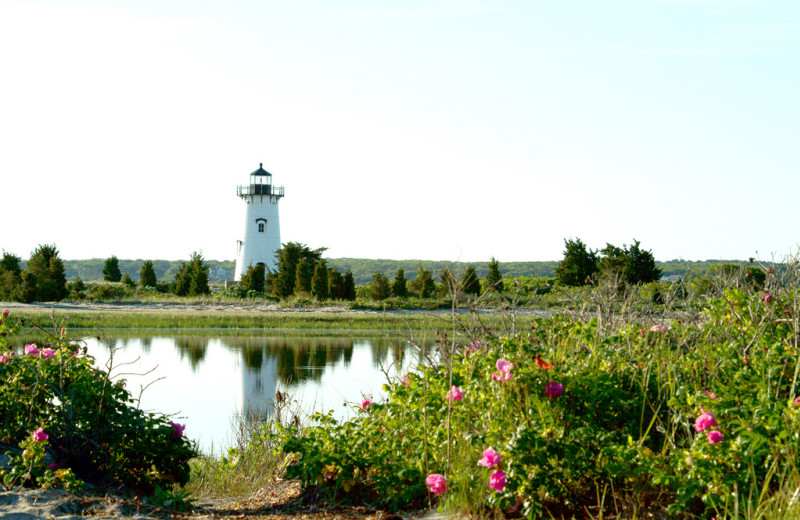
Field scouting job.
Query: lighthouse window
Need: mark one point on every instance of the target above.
(260, 227)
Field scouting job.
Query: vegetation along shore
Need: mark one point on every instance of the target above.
(602, 392)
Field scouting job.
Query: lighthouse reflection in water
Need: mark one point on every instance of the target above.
(211, 382)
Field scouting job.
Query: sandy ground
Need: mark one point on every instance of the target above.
(281, 500)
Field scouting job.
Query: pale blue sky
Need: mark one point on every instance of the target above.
(433, 130)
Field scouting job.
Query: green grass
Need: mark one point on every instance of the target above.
(313, 321)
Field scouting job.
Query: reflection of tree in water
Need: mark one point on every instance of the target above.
(381, 351)
(253, 358)
(298, 359)
(194, 347)
(304, 358)
(147, 342)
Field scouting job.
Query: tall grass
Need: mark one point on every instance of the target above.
(254, 460)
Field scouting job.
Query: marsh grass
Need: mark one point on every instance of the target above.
(253, 461)
(100, 320)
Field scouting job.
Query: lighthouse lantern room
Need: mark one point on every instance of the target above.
(262, 230)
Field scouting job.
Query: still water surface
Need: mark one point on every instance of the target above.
(208, 381)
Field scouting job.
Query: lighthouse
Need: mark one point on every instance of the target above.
(262, 228)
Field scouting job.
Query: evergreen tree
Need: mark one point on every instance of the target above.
(642, 266)
(379, 288)
(10, 263)
(319, 282)
(335, 284)
(303, 275)
(288, 257)
(471, 282)
(199, 271)
(10, 278)
(612, 264)
(127, 281)
(578, 266)
(45, 279)
(399, 287)
(349, 286)
(111, 272)
(494, 280)
(254, 278)
(192, 277)
(424, 283)
(631, 265)
(147, 274)
(449, 282)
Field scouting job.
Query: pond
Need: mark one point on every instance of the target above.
(210, 381)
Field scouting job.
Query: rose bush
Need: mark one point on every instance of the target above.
(684, 422)
(90, 422)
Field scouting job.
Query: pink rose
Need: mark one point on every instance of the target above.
(407, 379)
(3, 359)
(504, 370)
(767, 298)
(5, 313)
(553, 389)
(365, 403)
(455, 394)
(177, 429)
(797, 400)
(490, 458)
(31, 349)
(437, 483)
(39, 435)
(658, 328)
(714, 436)
(48, 353)
(475, 346)
(497, 480)
(711, 394)
(705, 421)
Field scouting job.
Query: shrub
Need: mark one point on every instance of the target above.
(107, 291)
(127, 281)
(91, 422)
(696, 419)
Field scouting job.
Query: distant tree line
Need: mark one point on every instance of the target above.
(91, 270)
(424, 284)
(43, 277)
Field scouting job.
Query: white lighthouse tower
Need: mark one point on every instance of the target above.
(262, 227)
